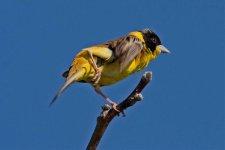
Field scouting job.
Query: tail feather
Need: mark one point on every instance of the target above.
(65, 85)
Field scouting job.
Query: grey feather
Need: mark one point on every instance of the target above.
(65, 85)
(127, 50)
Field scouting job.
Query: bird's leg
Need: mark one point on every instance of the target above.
(97, 72)
(97, 89)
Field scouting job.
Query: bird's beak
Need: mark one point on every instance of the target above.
(163, 49)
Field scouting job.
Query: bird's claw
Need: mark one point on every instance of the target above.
(114, 106)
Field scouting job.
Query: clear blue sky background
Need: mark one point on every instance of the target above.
(183, 107)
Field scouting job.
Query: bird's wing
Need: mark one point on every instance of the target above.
(127, 50)
(124, 49)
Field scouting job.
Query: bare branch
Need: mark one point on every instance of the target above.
(108, 114)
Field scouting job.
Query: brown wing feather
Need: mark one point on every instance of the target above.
(112, 44)
(127, 50)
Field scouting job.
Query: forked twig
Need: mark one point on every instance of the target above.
(108, 114)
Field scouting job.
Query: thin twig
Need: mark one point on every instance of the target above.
(108, 114)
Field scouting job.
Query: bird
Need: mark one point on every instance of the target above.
(108, 63)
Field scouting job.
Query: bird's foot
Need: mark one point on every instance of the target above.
(114, 106)
(97, 77)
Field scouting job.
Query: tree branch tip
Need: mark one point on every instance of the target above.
(138, 96)
(147, 75)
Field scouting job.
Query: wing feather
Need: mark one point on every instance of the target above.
(127, 50)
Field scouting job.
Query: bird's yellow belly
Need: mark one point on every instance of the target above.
(111, 74)
(111, 71)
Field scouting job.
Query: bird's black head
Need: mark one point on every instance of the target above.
(151, 39)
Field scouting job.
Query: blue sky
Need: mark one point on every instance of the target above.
(183, 107)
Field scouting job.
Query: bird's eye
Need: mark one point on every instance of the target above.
(153, 40)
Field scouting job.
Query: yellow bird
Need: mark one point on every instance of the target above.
(110, 62)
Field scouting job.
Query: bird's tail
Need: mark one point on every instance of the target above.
(69, 80)
(77, 72)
